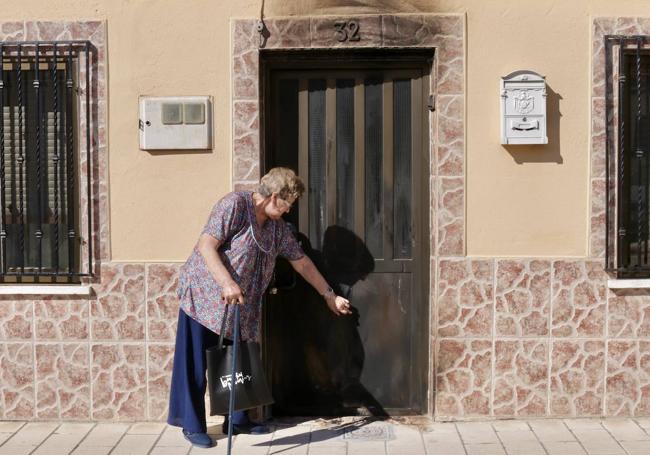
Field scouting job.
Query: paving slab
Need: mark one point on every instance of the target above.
(146, 428)
(135, 444)
(636, 447)
(524, 447)
(60, 443)
(626, 430)
(551, 430)
(345, 436)
(10, 427)
(477, 433)
(485, 449)
(105, 435)
(31, 434)
(564, 448)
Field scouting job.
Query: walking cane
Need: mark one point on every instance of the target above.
(235, 343)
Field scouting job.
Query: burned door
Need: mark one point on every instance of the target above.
(357, 138)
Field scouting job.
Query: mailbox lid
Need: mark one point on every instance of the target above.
(527, 101)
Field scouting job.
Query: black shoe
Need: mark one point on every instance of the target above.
(199, 439)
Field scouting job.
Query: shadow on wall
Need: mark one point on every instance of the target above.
(317, 357)
(546, 153)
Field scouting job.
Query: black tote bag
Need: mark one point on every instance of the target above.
(251, 388)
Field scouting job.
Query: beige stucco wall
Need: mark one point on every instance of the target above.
(521, 201)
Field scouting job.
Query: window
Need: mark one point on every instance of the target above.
(39, 160)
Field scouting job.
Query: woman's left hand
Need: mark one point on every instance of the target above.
(339, 305)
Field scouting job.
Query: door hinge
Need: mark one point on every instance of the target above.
(431, 105)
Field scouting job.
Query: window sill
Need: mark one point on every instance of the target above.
(63, 289)
(629, 284)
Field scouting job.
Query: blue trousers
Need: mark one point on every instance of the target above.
(187, 393)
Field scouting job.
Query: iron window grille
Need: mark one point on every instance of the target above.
(43, 111)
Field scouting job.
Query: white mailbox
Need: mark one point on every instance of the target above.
(523, 108)
(175, 123)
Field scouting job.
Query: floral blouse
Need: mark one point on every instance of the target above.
(248, 252)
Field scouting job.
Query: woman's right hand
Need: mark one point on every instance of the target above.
(231, 293)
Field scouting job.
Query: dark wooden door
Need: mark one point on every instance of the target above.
(357, 138)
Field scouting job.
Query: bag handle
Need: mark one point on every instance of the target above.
(222, 332)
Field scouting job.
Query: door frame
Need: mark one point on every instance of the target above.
(419, 59)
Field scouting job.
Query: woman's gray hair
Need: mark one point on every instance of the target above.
(283, 181)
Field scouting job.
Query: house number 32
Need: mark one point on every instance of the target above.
(347, 31)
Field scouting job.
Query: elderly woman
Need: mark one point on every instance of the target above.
(233, 262)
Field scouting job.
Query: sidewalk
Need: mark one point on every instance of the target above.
(348, 436)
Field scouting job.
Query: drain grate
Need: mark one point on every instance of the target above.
(370, 433)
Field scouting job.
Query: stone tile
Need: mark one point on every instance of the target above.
(465, 297)
(363, 448)
(132, 444)
(16, 450)
(162, 302)
(16, 320)
(326, 437)
(598, 137)
(643, 422)
(245, 41)
(629, 313)
(520, 377)
(118, 381)
(12, 31)
(118, 311)
(146, 428)
(551, 431)
(564, 448)
(597, 220)
(161, 362)
(485, 449)
(448, 448)
(105, 435)
(325, 31)
(60, 444)
(328, 450)
(521, 447)
(74, 428)
(577, 378)
(10, 427)
(451, 135)
(32, 434)
(172, 437)
(440, 430)
(287, 33)
(62, 381)
(16, 381)
(451, 216)
(463, 377)
(246, 140)
(625, 430)
(477, 433)
(523, 294)
(583, 424)
(512, 437)
(579, 297)
(636, 447)
(628, 378)
(92, 450)
(47, 31)
(510, 425)
(61, 319)
(599, 442)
